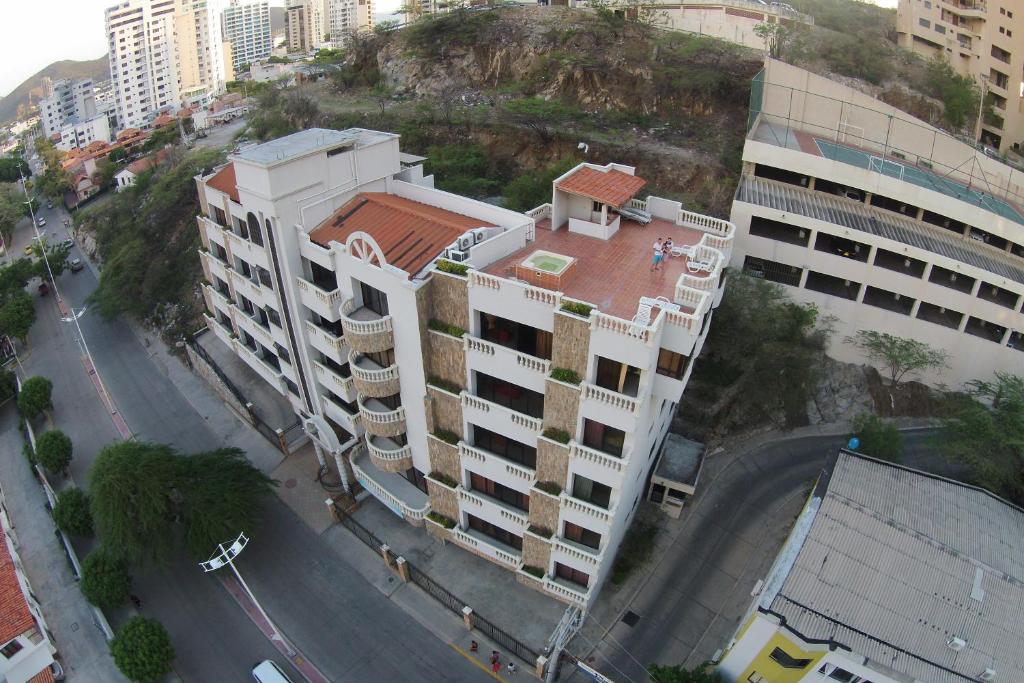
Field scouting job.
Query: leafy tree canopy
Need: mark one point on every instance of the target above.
(899, 356)
(71, 513)
(878, 438)
(35, 397)
(142, 650)
(12, 168)
(106, 582)
(53, 450)
(533, 188)
(677, 674)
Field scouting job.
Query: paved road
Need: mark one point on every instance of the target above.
(349, 629)
(696, 596)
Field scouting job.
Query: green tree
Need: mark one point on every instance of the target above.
(71, 512)
(132, 489)
(462, 169)
(533, 188)
(17, 314)
(704, 673)
(12, 168)
(541, 116)
(878, 438)
(984, 428)
(8, 385)
(899, 356)
(142, 650)
(53, 450)
(959, 94)
(105, 582)
(35, 397)
(12, 209)
(775, 36)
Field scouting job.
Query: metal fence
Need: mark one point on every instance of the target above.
(443, 595)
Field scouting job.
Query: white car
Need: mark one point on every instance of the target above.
(269, 672)
(40, 221)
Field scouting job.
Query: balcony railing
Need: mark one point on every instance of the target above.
(323, 302)
(482, 502)
(332, 380)
(589, 509)
(578, 450)
(505, 354)
(381, 422)
(391, 500)
(488, 547)
(591, 556)
(609, 397)
(480, 455)
(387, 455)
(365, 330)
(575, 594)
(371, 379)
(517, 418)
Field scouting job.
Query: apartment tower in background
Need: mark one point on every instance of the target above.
(204, 59)
(66, 100)
(981, 40)
(481, 387)
(247, 28)
(346, 17)
(304, 24)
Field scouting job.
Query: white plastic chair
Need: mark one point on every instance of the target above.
(682, 251)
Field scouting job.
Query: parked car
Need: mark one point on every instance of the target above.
(49, 205)
(68, 243)
(76, 265)
(44, 289)
(29, 250)
(269, 672)
(40, 221)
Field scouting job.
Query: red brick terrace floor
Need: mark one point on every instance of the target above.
(611, 274)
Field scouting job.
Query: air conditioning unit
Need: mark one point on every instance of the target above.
(458, 256)
(465, 242)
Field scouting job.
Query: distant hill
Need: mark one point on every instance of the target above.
(31, 87)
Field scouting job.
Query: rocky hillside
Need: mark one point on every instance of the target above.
(30, 91)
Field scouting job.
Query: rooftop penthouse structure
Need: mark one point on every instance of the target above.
(504, 379)
(882, 221)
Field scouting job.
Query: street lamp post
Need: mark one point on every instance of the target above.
(226, 556)
(981, 107)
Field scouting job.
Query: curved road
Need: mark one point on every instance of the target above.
(691, 603)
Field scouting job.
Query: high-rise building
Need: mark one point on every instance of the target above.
(889, 575)
(883, 222)
(304, 24)
(247, 28)
(66, 100)
(346, 17)
(977, 39)
(165, 54)
(442, 351)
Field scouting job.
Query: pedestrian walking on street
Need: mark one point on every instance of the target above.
(135, 601)
(511, 668)
(473, 647)
(495, 661)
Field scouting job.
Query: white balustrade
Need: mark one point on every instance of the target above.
(389, 499)
(517, 418)
(541, 212)
(371, 374)
(388, 454)
(477, 543)
(523, 360)
(381, 417)
(699, 221)
(484, 503)
(340, 385)
(588, 556)
(478, 279)
(637, 204)
(577, 595)
(602, 321)
(353, 326)
(511, 468)
(578, 450)
(609, 397)
(586, 508)
(324, 337)
(329, 298)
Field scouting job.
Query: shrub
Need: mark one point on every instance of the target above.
(53, 450)
(549, 487)
(453, 330)
(556, 434)
(142, 650)
(71, 513)
(565, 375)
(542, 531)
(878, 438)
(444, 479)
(446, 522)
(105, 582)
(533, 571)
(443, 384)
(577, 308)
(452, 267)
(447, 436)
(634, 551)
(35, 397)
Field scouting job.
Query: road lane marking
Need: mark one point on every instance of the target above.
(476, 662)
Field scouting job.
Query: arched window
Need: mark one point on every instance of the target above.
(254, 228)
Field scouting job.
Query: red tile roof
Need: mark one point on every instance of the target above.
(144, 164)
(163, 120)
(44, 676)
(224, 180)
(608, 187)
(15, 618)
(409, 233)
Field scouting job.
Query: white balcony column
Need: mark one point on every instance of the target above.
(860, 293)
(803, 275)
(872, 251)
(914, 308)
(319, 454)
(339, 462)
(927, 271)
(1017, 303)
(977, 287)
(1006, 336)
(604, 214)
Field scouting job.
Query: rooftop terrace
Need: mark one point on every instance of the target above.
(611, 274)
(305, 142)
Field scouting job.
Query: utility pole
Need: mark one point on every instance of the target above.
(981, 107)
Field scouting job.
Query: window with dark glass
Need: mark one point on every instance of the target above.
(510, 334)
(783, 659)
(10, 649)
(322, 277)
(583, 536)
(604, 438)
(350, 406)
(499, 492)
(273, 317)
(219, 217)
(416, 478)
(611, 374)
(374, 299)
(510, 395)
(292, 387)
(572, 575)
(282, 353)
(657, 493)
(591, 491)
(495, 532)
(672, 364)
(254, 229)
(504, 446)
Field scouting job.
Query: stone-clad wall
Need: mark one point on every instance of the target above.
(444, 411)
(552, 461)
(450, 299)
(444, 458)
(543, 510)
(570, 343)
(536, 551)
(561, 405)
(445, 358)
(443, 500)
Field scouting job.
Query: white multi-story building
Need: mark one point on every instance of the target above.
(889, 575)
(346, 17)
(247, 28)
(303, 24)
(79, 133)
(520, 391)
(143, 59)
(66, 100)
(883, 222)
(204, 58)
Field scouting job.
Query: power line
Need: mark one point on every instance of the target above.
(610, 663)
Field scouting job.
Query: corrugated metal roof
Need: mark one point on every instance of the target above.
(889, 565)
(853, 214)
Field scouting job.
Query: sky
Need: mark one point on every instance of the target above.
(35, 33)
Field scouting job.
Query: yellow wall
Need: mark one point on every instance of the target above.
(773, 672)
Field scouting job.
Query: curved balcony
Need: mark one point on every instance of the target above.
(371, 379)
(365, 330)
(391, 489)
(379, 420)
(388, 456)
